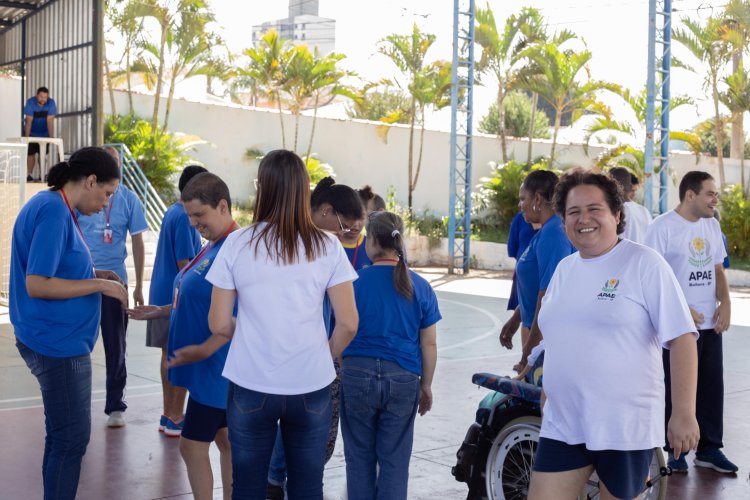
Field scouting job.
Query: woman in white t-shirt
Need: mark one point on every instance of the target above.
(280, 363)
(607, 313)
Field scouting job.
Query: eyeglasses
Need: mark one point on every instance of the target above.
(346, 230)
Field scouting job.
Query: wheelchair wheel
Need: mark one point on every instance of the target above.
(510, 459)
(656, 489)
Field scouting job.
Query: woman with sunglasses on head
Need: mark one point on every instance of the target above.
(280, 362)
(386, 375)
(55, 301)
(338, 208)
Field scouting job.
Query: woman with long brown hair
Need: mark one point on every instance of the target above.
(280, 363)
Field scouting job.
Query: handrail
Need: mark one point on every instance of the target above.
(134, 178)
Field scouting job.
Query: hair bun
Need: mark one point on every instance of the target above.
(326, 182)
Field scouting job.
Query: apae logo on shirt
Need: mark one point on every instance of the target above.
(700, 252)
(202, 266)
(609, 289)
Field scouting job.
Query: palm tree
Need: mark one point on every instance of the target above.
(706, 44)
(501, 52)
(737, 33)
(556, 80)
(408, 53)
(267, 68)
(737, 99)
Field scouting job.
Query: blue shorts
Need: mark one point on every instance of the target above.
(623, 472)
(202, 422)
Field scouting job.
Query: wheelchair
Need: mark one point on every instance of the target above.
(497, 454)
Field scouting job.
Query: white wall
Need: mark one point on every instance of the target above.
(10, 107)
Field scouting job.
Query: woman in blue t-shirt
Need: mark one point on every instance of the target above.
(55, 300)
(387, 370)
(538, 262)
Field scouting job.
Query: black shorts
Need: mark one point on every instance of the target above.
(202, 422)
(33, 148)
(623, 472)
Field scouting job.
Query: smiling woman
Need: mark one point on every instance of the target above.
(55, 305)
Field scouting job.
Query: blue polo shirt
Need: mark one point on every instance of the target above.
(538, 263)
(125, 214)
(390, 324)
(189, 325)
(178, 240)
(46, 243)
(39, 115)
(519, 236)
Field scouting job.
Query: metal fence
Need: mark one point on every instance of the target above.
(12, 195)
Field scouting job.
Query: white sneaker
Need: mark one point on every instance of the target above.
(116, 419)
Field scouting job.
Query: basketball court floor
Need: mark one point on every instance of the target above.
(136, 462)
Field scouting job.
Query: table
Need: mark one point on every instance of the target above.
(43, 141)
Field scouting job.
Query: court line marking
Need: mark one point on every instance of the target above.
(494, 329)
(98, 391)
(93, 401)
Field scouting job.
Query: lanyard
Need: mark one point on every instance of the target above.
(75, 220)
(385, 260)
(354, 260)
(203, 251)
(111, 204)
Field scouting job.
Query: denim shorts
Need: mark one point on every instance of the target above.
(202, 422)
(623, 472)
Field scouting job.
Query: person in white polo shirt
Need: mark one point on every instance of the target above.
(690, 240)
(637, 217)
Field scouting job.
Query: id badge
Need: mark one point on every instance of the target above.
(176, 296)
(107, 236)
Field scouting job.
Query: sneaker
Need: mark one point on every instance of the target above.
(162, 423)
(116, 419)
(29, 178)
(173, 429)
(274, 492)
(715, 459)
(678, 465)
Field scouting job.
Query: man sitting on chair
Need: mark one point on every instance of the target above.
(39, 112)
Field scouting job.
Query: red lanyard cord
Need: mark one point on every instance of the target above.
(75, 220)
(203, 251)
(111, 204)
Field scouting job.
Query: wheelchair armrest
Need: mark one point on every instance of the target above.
(509, 386)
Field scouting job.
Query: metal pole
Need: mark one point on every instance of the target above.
(648, 156)
(469, 139)
(97, 59)
(453, 143)
(665, 105)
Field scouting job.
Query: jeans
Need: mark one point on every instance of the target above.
(114, 324)
(379, 403)
(253, 418)
(277, 469)
(65, 384)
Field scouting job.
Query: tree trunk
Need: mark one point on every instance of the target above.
(112, 107)
(281, 119)
(160, 75)
(534, 101)
(742, 156)
(411, 149)
(128, 75)
(413, 185)
(297, 113)
(737, 149)
(172, 84)
(312, 132)
(718, 125)
(558, 117)
(501, 123)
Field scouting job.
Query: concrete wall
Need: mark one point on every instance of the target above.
(10, 107)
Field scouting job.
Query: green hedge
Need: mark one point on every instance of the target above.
(735, 221)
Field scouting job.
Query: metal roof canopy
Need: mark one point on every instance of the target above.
(58, 44)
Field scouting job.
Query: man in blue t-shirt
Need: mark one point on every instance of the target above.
(178, 244)
(39, 113)
(106, 233)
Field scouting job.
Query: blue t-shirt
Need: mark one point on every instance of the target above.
(189, 325)
(357, 254)
(125, 214)
(537, 264)
(39, 115)
(178, 240)
(519, 236)
(389, 324)
(46, 242)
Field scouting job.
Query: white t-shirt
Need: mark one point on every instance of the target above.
(280, 344)
(693, 250)
(637, 219)
(604, 322)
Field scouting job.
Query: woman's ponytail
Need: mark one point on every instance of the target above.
(387, 230)
(58, 175)
(401, 278)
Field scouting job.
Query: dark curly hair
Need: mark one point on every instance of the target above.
(612, 190)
